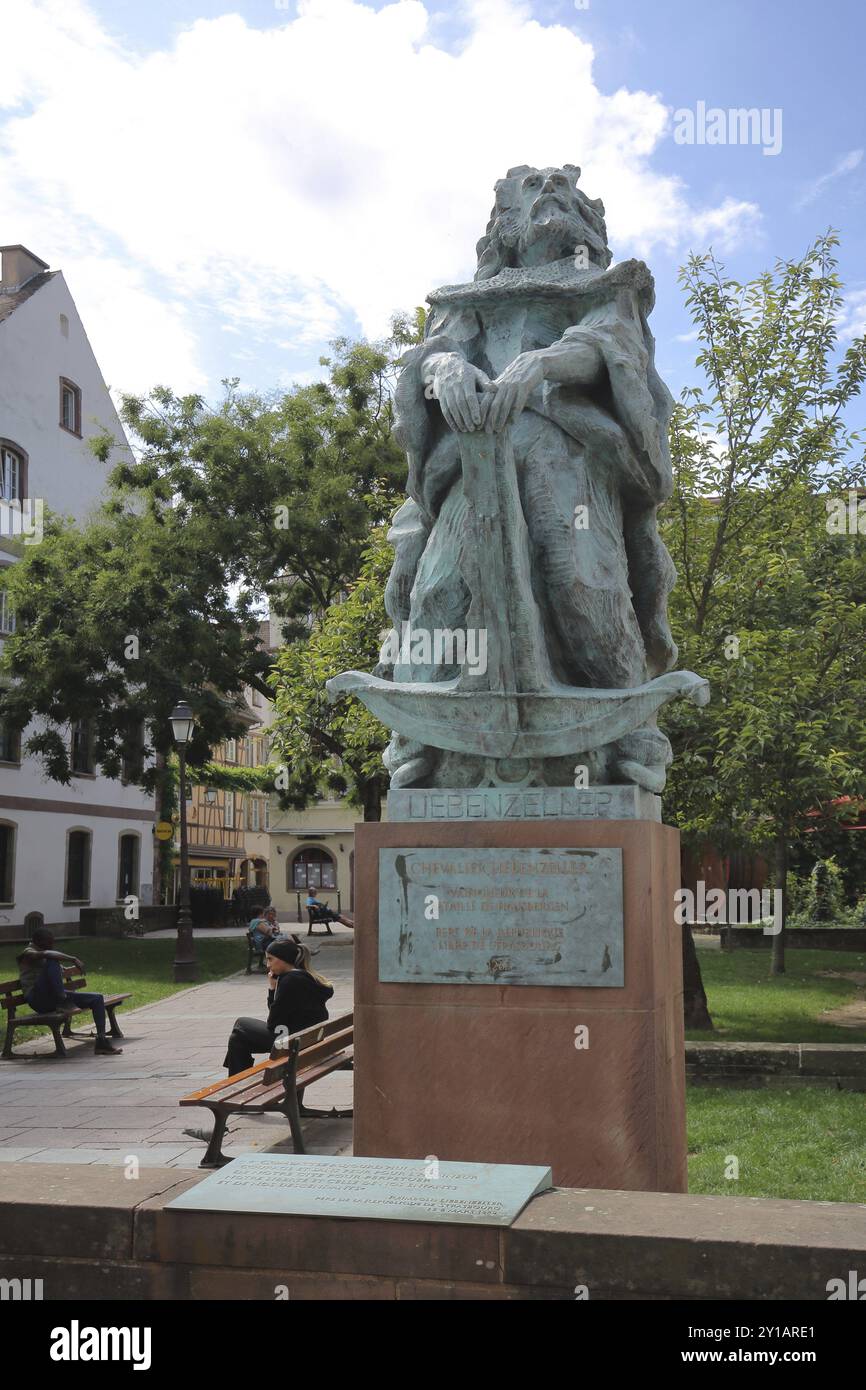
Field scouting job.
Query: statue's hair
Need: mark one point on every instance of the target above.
(497, 247)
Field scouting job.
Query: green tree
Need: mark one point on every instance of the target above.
(335, 748)
(284, 488)
(264, 499)
(769, 605)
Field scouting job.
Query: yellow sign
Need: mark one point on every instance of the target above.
(163, 830)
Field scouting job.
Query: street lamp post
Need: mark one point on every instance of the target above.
(185, 968)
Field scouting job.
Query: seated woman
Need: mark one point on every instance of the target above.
(296, 1000)
(41, 973)
(313, 901)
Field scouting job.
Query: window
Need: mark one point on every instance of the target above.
(313, 868)
(77, 867)
(82, 748)
(7, 615)
(70, 406)
(133, 757)
(267, 815)
(10, 743)
(231, 750)
(230, 811)
(7, 863)
(127, 866)
(64, 325)
(255, 813)
(11, 474)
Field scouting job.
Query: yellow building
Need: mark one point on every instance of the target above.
(314, 849)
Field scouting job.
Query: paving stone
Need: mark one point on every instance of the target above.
(85, 1105)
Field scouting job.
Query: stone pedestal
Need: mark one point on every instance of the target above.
(589, 1080)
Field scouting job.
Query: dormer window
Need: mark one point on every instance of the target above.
(70, 407)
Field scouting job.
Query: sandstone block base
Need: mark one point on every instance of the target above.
(490, 1073)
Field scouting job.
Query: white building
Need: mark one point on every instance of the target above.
(90, 843)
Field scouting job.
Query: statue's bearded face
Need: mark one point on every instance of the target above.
(541, 216)
(548, 212)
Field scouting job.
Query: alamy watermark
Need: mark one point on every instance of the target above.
(22, 517)
(438, 646)
(20, 1290)
(77, 1343)
(854, 1288)
(737, 126)
(846, 516)
(732, 906)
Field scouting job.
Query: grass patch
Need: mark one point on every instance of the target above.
(747, 1004)
(134, 965)
(808, 1143)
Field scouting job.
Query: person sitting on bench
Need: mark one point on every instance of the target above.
(332, 916)
(296, 1000)
(265, 929)
(41, 974)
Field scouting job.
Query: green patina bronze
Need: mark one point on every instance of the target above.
(535, 426)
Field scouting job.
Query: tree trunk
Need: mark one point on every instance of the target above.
(372, 800)
(780, 883)
(697, 1014)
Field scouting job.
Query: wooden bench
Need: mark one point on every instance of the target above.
(279, 1083)
(260, 952)
(12, 998)
(320, 915)
(254, 950)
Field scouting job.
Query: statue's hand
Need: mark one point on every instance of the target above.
(455, 385)
(513, 388)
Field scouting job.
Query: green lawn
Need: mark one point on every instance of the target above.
(748, 1005)
(137, 965)
(808, 1143)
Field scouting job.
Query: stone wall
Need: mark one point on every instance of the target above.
(99, 921)
(12, 934)
(799, 938)
(90, 1233)
(841, 1066)
(110, 921)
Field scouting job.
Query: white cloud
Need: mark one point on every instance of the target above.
(852, 320)
(846, 164)
(279, 181)
(727, 225)
(140, 341)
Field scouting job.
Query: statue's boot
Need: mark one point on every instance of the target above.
(643, 758)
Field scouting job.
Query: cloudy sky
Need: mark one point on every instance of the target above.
(227, 186)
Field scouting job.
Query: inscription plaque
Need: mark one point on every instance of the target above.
(525, 803)
(501, 917)
(391, 1189)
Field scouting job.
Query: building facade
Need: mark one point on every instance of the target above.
(227, 831)
(89, 844)
(314, 848)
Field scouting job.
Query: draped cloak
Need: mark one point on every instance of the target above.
(593, 466)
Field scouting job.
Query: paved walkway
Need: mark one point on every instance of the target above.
(88, 1109)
